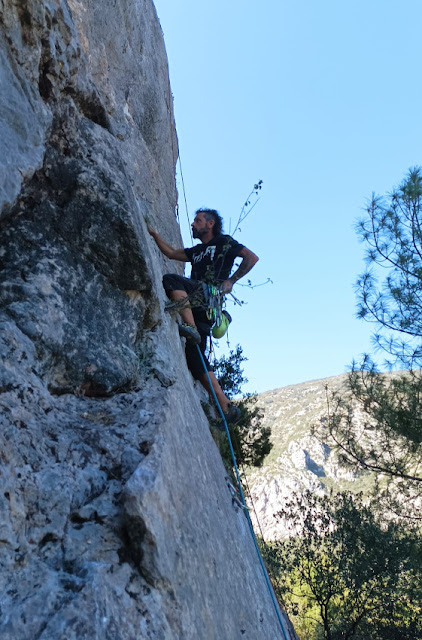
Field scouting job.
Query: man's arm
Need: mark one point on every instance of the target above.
(249, 261)
(173, 254)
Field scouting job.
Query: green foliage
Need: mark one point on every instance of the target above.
(377, 425)
(229, 373)
(344, 575)
(251, 440)
(392, 231)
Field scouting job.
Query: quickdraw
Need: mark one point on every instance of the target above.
(214, 298)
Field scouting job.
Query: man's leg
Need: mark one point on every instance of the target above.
(177, 288)
(223, 400)
(232, 413)
(196, 367)
(185, 312)
(180, 289)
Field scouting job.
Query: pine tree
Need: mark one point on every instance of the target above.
(377, 425)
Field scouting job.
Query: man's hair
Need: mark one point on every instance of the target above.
(212, 214)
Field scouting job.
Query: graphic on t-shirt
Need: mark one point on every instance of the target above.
(209, 251)
(212, 263)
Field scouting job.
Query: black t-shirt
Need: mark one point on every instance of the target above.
(213, 261)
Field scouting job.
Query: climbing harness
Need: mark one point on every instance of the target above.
(213, 306)
(244, 506)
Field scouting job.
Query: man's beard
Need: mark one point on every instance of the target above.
(198, 233)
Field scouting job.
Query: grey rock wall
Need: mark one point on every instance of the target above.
(115, 519)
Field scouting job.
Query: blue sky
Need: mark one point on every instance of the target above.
(322, 101)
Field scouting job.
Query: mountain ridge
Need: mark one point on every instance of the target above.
(298, 460)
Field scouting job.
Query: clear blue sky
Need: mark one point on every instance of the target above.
(323, 102)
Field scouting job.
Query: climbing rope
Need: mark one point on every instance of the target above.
(245, 508)
(273, 575)
(172, 126)
(184, 196)
(215, 304)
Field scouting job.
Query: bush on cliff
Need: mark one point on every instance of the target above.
(251, 440)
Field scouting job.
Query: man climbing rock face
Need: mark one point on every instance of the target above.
(212, 262)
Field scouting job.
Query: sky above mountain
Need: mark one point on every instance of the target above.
(321, 101)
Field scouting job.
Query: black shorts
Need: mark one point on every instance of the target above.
(195, 291)
(194, 288)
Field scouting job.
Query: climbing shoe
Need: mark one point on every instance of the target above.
(189, 332)
(232, 416)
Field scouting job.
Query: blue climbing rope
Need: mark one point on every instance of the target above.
(245, 509)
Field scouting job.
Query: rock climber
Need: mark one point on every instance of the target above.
(212, 262)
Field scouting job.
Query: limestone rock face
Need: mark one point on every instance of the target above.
(115, 517)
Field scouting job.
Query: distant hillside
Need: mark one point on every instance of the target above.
(298, 460)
